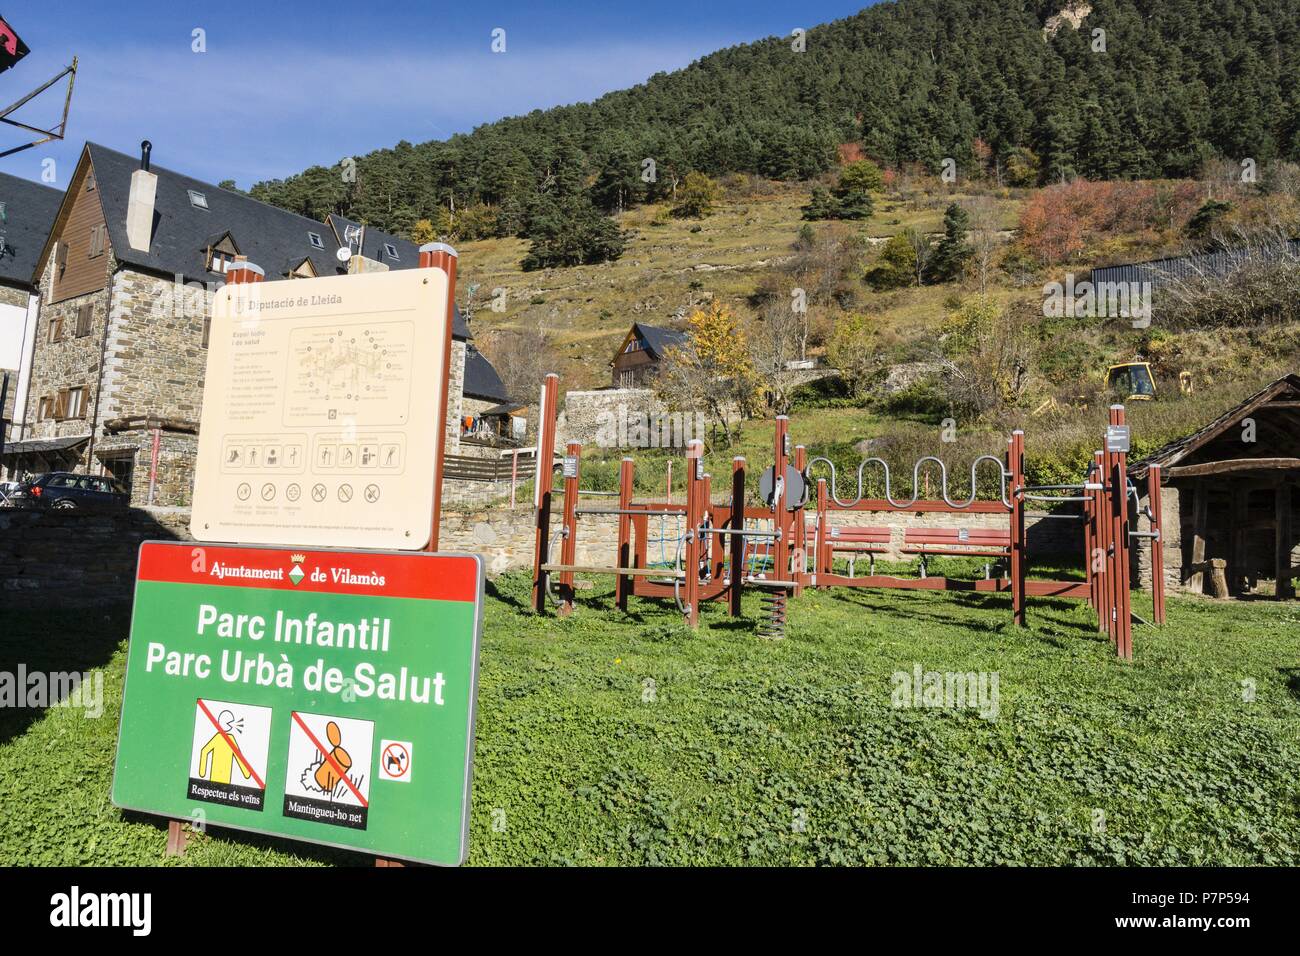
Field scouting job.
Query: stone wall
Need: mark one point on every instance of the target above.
(1172, 538)
(625, 418)
(88, 559)
(75, 558)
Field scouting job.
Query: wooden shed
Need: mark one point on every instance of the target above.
(1234, 486)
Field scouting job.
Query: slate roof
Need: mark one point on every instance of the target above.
(659, 339)
(481, 379)
(29, 211)
(1278, 428)
(273, 238)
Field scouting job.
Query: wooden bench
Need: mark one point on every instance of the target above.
(959, 543)
(855, 539)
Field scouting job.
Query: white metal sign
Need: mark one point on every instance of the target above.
(320, 411)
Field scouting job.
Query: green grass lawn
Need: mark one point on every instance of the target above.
(607, 739)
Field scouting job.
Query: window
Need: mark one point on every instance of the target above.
(97, 235)
(219, 261)
(207, 330)
(122, 470)
(60, 259)
(46, 409)
(84, 314)
(391, 250)
(90, 183)
(627, 379)
(316, 240)
(56, 327)
(70, 403)
(197, 199)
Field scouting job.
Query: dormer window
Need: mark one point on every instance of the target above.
(391, 250)
(316, 241)
(219, 261)
(197, 199)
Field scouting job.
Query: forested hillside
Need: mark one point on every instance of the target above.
(1171, 84)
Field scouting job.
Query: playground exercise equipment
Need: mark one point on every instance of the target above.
(700, 550)
(1104, 499)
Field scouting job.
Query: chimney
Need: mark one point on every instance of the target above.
(140, 203)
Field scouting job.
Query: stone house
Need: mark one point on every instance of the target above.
(126, 278)
(1230, 494)
(27, 210)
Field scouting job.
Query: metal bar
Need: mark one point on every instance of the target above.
(569, 569)
(623, 584)
(748, 533)
(626, 511)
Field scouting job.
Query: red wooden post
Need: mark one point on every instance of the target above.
(1157, 545)
(781, 543)
(737, 542)
(1016, 465)
(569, 544)
(1100, 557)
(543, 480)
(691, 563)
(1087, 510)
(623, 583)
(439, 255)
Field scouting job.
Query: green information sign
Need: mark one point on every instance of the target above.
(325, 696)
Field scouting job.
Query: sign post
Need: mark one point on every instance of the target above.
(319, 695)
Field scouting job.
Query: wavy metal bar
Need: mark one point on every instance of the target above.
(1003, 474)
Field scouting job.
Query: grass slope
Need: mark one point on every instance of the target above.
(579, 761)
(670, 264)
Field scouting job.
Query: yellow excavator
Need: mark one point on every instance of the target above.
(1132, 380)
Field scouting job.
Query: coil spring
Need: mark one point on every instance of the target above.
(774, 625)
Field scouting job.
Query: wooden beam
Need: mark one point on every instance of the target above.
(1231, 465)
(1235, 573)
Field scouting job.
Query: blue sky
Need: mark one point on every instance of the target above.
(326, 79)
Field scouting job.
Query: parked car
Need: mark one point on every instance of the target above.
(65, 491)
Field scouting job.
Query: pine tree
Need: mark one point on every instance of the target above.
(948, 262)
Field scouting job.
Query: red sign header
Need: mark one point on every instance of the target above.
(433, 577)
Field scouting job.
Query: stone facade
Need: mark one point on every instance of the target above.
(72, 361)
(455, 397)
